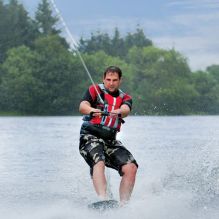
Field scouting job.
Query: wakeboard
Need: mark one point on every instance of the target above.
(104, 205)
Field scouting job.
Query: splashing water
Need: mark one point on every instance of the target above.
(43, 175)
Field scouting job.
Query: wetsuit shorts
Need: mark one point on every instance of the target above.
(112, 152)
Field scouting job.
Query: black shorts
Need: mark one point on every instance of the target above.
(112, 152)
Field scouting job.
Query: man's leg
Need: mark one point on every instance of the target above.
(127, 183)
(99, 179)
(91, 149)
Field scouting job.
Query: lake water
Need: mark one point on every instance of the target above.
(43, 176)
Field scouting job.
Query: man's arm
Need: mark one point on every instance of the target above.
(124, 110)
(85, 108)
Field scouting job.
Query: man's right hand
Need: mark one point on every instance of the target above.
(96, 112)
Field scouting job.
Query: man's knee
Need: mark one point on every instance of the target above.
(129, 169)
(99, 164)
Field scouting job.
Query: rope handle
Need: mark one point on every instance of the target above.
(105, 113)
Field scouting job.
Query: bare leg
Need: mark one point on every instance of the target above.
(99, 180)
(127, 182)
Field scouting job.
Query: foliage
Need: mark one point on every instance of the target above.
(207, 87)
(16, 27)
(40, 81)
(39, 74)
(59, 73)
(45, 21)
(160, 80)
(17, 83)
(115, 46)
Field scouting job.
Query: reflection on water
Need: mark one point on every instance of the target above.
(42, 174)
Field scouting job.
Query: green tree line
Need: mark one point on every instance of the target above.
(41, 75)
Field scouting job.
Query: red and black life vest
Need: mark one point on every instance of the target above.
(110, 103)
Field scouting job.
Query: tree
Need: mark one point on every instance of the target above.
(59, 76)
(214, 71)
(18, 87)
(45, 20)
(137, 39)
(3, 14)
(98, 41)
(207, 87)
(161, 81)
(114, 46)
(117, 47)
(33, 84)
(16, 27)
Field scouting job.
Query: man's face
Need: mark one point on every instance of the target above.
(112, 81)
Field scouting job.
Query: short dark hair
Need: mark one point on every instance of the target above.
(113, 69)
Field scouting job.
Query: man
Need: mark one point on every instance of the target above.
(104, 106)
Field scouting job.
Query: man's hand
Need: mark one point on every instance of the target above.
(96, 112)
(122, 112)
(86, 109)
(116, 113)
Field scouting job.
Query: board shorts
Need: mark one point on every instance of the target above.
(112, 152)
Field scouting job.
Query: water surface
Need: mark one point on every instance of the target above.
(42, 174)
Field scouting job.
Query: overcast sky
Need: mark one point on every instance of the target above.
(190, 26)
